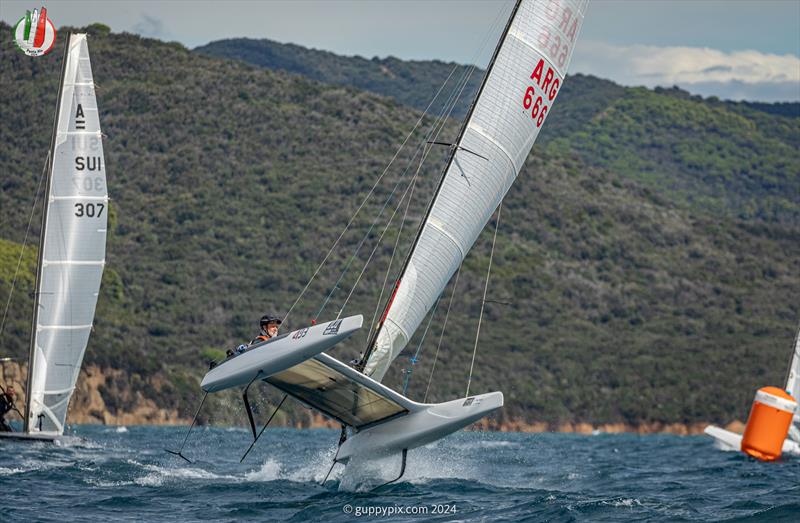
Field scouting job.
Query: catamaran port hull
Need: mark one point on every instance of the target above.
(415, 429)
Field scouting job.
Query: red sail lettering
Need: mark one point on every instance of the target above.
(547, 79)
(554, 90)
(565, 17)
(573, 30)
(537, 72)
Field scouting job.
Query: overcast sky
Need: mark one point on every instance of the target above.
(733, 49)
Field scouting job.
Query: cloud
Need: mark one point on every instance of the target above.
(748, 74)
(150, 26)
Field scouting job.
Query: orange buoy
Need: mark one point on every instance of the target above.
(768, 423)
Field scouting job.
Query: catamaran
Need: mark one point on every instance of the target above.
(521, 83)
(72, 250)
(773, 426)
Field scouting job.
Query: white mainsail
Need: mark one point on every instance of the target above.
(519, 89)
(793, 386)
(72, 251)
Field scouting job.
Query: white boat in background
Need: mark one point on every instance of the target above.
(72, 250)
(522, 80)
(727, 440)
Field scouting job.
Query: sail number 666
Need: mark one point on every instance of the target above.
(537, 108)
(89, 210)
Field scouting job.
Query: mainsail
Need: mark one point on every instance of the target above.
(793, 379)
(72, 251)
(520, 86)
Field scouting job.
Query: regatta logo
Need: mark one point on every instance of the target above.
(35, 34)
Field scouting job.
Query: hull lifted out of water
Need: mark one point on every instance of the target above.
(382, 421)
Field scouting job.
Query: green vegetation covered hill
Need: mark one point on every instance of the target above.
(632, 291)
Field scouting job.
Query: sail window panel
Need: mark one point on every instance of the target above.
(68, 294)
(333, 394)
(73, 238)
(62, 348)
(57, 404)
(79, 167)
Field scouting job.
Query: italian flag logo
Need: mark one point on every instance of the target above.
(35, 33)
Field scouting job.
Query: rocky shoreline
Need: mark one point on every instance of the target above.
(89, 407)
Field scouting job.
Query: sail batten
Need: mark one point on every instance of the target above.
(521, 84)
(72, 253)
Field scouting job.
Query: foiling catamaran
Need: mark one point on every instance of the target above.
(72, 250)
(773, 426)
(522, 80)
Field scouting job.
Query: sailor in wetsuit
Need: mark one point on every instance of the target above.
(269, 328)
(6, 405)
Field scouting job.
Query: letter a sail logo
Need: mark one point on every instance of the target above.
(35, 33)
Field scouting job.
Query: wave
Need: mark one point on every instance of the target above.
(158, 475)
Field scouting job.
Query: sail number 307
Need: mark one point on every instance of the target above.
(539, 96)
(89, 210)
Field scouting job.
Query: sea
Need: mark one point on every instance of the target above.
(103, 473)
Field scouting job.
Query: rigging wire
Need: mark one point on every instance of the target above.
(364, 238)
(367, 351)
(369, 194)
(434, 133)
(24, 244)
(415, 357)
(483, 301)
(440, 124)
(441, 336)
(380, 238)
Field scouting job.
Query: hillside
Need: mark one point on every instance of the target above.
(736, 159)
(411, 83)
(229, 182)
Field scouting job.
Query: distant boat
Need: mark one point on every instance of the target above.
(774, 419)
(72, 250)
(521, 83)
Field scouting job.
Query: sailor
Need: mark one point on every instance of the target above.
(269, 328)
(6, 405)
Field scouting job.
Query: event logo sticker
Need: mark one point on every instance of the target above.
(35, 34)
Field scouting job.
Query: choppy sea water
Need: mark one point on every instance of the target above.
(118, 473)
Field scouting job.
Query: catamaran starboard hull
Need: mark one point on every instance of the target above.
(431, 423)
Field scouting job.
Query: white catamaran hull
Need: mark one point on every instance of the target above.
(33, 436)
(382, 421)
(727, 440)
(273, 356)
(431, 423)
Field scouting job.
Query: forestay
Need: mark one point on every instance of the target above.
(520, 87)
(72, 253)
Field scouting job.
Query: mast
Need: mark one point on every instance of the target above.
(45, 211)
(454, 149)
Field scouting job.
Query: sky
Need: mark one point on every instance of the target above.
(732, 49)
